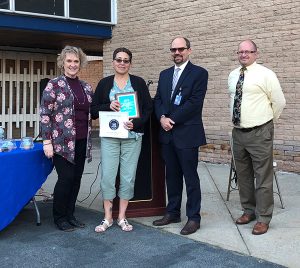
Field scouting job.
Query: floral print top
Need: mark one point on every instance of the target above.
(57, 120)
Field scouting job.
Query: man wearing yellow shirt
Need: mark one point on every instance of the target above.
(256, 101)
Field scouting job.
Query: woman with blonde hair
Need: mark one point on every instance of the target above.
(65, 130)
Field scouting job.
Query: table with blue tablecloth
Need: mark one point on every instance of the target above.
(22, 173)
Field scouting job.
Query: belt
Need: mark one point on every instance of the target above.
(252, 128)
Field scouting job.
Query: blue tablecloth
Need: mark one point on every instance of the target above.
(22, 173)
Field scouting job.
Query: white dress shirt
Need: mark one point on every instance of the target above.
(181, 68)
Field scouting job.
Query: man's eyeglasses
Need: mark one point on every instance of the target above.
(180, 49)
(246, 52)
(120, 60)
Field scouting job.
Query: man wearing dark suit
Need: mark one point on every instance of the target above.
(178, 105)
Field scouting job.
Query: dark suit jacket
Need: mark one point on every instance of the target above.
(188, 131)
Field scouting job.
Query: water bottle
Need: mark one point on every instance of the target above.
(1, 133)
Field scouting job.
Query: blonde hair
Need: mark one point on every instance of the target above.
(70, 49)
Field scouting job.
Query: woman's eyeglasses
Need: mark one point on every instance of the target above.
(180, 49)
(124, 61)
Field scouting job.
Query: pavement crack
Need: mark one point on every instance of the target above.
(212, 178)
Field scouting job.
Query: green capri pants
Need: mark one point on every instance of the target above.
(125, 152)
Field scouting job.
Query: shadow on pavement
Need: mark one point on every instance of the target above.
(23, 244)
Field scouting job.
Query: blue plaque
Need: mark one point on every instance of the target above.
(129, 103)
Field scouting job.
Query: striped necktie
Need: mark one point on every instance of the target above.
(236, 113)
(175, 80)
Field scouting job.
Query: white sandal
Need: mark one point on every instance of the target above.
(125, 226)
(103, 226)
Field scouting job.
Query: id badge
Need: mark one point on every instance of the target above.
(177, 99)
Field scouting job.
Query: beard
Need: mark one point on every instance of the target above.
(178, 59)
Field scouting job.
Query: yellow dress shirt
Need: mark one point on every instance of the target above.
(262, 98)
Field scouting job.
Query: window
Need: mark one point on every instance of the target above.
(49, 7)
(99, 10)
(4, 4)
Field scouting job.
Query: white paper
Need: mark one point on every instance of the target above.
(112, 124)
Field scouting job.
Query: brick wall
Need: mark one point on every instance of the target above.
(215, 28)
(92, 73)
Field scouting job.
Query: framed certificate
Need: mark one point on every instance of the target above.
(129, 103)
(112, 124)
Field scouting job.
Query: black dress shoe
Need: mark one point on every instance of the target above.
(65, 226)
(167, 219)
(76, 223)
(190, 227)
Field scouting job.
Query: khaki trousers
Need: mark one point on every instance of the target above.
(253, 156)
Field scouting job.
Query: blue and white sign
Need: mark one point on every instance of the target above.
(112, 124)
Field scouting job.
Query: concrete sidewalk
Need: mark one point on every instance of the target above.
(281, 244)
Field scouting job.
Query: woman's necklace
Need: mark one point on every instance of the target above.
(81, 103)
(74, 82)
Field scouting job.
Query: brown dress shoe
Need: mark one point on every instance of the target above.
(190, 228)
(167, 219)
(260, 228)
(245, 218)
